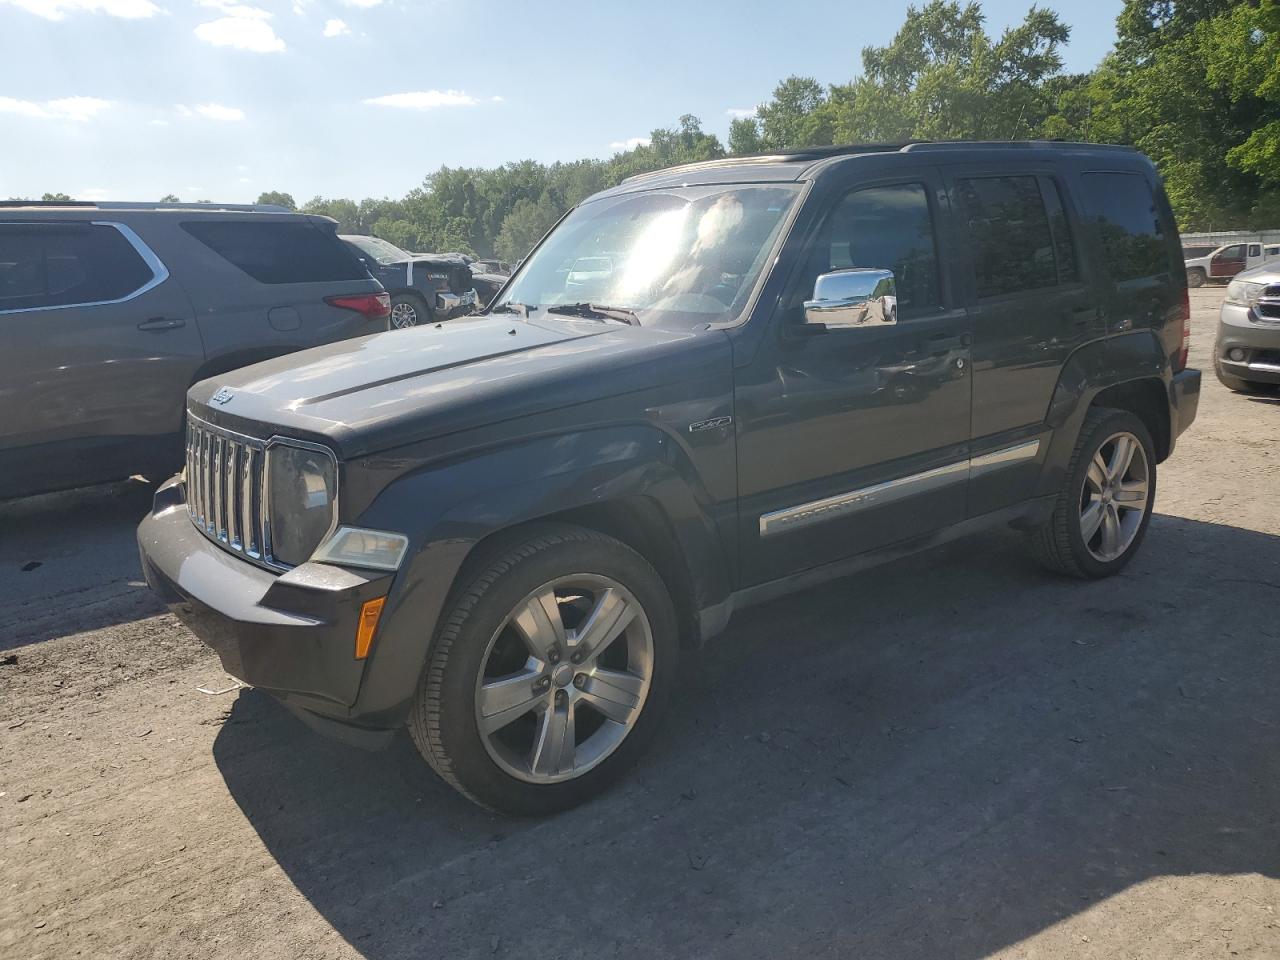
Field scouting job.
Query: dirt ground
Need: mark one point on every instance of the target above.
(951, 756)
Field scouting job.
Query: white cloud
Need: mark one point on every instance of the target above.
(93, 193)
(737, 113)
(335, 28)
(242, 27)
(425, 100)
(630, 144)
(216, 111)
(362, 4)
(58, 9)
(78, 109)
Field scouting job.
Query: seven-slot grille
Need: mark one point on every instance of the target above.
(226, 488)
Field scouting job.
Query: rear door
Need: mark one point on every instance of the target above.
(259, 283)
(99, 347)
(1030, 304)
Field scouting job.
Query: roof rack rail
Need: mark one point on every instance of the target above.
(129, 205)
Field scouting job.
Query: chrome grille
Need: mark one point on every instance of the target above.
(226, 474)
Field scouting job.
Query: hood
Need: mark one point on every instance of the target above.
(383, 391)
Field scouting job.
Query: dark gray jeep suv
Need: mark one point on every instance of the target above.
(109, 312)
(775, 371)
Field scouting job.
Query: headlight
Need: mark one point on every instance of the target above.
(1243, 292)
(356, 547)
(302, 487)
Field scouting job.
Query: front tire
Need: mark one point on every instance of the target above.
(1104, 506)
(1195, 277)
(408, 310)
(549, 674)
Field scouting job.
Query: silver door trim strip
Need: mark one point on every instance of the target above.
(843, 504)
(1003, 458)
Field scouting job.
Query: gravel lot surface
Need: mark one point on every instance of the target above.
(951, 756)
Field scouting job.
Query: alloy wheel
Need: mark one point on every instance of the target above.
(404, 315)
(1114, 498)
(564, 678)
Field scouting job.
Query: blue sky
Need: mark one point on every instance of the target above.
(222, 99)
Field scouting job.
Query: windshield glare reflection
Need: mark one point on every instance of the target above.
(681, 257)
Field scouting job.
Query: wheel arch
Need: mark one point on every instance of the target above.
(1129, 371)
(623, 483)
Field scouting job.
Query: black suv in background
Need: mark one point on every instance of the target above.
(424, 287)
(109, 312)
(502, 534)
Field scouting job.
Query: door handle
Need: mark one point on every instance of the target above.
(161, 323)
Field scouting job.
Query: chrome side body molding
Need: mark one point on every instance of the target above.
(843, 504)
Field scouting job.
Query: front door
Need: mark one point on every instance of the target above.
(850, 439)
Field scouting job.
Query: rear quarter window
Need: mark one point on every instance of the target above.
(65, 264)
(272, 252)
(1123, 208)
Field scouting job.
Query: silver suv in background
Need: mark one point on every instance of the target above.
(109, 312)
(1246, 352)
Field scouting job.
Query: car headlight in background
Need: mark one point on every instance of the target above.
(1243, 292)
(302, 488)
(357, 547)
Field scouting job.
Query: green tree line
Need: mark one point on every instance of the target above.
(1194, 84)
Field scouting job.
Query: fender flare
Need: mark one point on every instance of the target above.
(460, 503)
(1090, 369)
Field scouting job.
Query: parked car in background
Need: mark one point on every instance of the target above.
(503, 534)
(1246, 351)
(497, 267)
(424, 287)
(486, 285)
(110, 311)
(1223, 263)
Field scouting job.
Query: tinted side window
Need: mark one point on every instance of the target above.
(1232, 253)
(1255, 250)
(290, 252)
(1124, 209)
(890, 228)
(54, 265)
(1013, 247)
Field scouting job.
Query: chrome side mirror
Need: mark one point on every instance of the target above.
(855, 297)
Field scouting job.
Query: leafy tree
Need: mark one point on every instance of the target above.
(744, 136)
(170, 198)
(1196, 86)
(55, 198)
(523, 227)
(278, 198)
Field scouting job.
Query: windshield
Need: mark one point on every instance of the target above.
(684, 257)
(379, 249)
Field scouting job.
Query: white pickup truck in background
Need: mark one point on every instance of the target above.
(1223, 263)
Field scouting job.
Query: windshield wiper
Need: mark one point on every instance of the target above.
(512, 306)
(596, 311)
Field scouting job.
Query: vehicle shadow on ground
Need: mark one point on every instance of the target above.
(69, 562)
(939, 757)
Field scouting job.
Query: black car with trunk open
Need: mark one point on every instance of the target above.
(777, 371)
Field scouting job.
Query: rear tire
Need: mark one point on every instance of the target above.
(523, 707)
(1104, 506)
(408, 310)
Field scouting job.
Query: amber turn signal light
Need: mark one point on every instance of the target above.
(370, 611)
